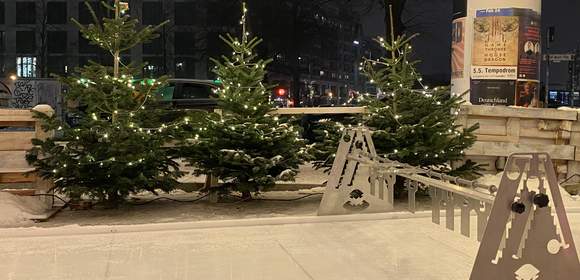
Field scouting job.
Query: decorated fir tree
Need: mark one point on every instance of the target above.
(108, 155)
(245, 147)
(413, 123)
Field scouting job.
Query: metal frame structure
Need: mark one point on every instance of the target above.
(520, 238)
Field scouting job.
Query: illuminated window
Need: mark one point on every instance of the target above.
(26, 66)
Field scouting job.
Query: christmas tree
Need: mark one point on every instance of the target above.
(109, 154)
(245, 147)
(413, 123)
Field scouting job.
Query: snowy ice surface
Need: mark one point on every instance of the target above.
(359, 248)
(18, 210)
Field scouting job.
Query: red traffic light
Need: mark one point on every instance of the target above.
(281, 92)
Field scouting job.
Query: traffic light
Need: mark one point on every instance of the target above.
(281, 92)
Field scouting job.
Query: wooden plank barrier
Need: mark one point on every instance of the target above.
(507, 130)
(17, 129)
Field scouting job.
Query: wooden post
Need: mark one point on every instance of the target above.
(41, 185)
(40, 133)
(210, 183)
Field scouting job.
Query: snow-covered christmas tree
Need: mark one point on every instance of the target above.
(245, 147)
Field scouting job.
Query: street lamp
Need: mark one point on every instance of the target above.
(9, 94)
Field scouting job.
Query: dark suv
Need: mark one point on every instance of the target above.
(189, 94)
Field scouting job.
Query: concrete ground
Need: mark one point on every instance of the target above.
(361, 247)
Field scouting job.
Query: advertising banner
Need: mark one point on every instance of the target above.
(527, 93)
(493, 92)
(505, 57)
(495, 45)
(530, 48)
(458, 49)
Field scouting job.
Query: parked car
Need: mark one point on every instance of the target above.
(189, 94)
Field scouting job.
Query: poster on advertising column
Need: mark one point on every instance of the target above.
(495, 45)
(506, 51)
(458, 49)
(497, 92)
(530, 48)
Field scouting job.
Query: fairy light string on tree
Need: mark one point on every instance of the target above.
(246, 147)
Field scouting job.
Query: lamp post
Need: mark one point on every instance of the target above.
(13, 78)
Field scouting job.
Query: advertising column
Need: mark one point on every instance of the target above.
(493, 61)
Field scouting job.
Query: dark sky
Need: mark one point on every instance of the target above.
(433, 46)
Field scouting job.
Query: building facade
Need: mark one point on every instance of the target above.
(317, 47)
(37, 38)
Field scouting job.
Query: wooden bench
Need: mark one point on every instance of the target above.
(17, 129)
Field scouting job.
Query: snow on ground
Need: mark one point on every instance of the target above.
(307, 175)
(164, 211)
(18, 210)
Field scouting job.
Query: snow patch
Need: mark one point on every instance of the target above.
(18, 210)
(490, 179)
(564, 108)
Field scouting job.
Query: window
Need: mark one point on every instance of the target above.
(184, 13)
(194, 91)
(56, 41)
(184, 67)
(184, 43)
(2, 12)
(84, 60)
(154, 47)
(2, 43)
(2, 66)
(85, 16)
(26, 66)
(222, 15)
(154, 67)
(57, 65)
(85, 46)
(56, 13)
(215, 46)
(25, 42)
(152, 13)
(25, 13)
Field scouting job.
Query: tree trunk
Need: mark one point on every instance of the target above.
(113, 200)
(397, 28)
(246, 195)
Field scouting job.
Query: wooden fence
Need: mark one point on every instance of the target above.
(503, 131)
(17, 129)
(506, 130)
